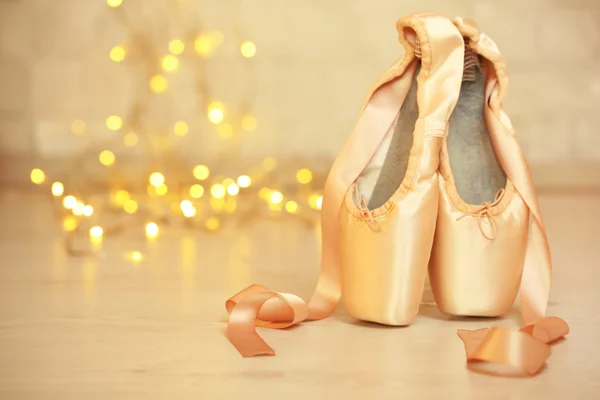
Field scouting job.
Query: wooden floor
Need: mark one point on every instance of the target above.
(109, 328)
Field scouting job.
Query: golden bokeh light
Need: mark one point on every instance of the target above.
(57, 189)
(156, 179)
(130, 206)
(170, 63)
(180, 128)
(78, 127)
(37, 176)
(217, 191)
(225, 130)
(158, 84)
(162, 190)
(304, 176)
(114, 122)
(196, 191)
(315, 201)
(78, 209)
(152, 229)
(70, 223)
(114, 3)
(227, 182)
(130, 139)
(69, 202)
(249, 123)
(96, 232)
(276, 197)
(107, 158)
(187, 208)
(204, 46)
(121, 197)
(216, 112)
(213, 223)
(248, 49)
(291, 207)
(117, 53)
(319, 202)
(201, 172)
(88, 210)
(264, 193)
(176, 46)
(233, 189)
(135, 256)
(244, 181)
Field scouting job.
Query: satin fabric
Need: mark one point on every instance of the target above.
(537, 271)
(384, 269)
(470, 274)
(439, 42)
(500, 351)
(497, 351)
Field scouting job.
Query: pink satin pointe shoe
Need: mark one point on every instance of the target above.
(481, 237)
(389, 213)
(403, 196)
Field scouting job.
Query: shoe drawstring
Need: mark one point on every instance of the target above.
(484, 214)
(365, 213)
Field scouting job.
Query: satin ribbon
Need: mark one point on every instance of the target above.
(264, 308)
(501, 351)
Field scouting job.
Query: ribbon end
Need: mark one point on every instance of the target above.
(471, 339)
(547, 330)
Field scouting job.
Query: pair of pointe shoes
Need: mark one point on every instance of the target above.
(430, 179)
(446, 190)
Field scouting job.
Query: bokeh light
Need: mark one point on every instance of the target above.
(244, 181)
(37, 176)
(304, 176)
(176, 46)
(107, 158)
(197, 191)
(57, 189)
(156, 179)
(201, 172)
(180, 128)
(158, 84)
(114, 122)
(217, 191)
(248, 49)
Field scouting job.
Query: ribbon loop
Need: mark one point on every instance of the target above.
(258, 306)
(494, 351)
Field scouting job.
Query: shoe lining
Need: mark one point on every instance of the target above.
(477, 173)
(395, 164)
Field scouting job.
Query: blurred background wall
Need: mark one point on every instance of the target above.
(314, 61)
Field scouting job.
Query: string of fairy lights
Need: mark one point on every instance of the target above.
(173, 192)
